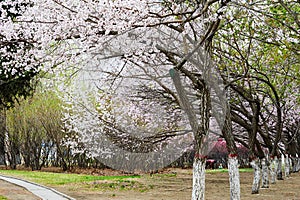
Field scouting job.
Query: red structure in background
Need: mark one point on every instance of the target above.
(218, 155)
(216, 158)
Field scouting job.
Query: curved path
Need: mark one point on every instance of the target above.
(43, 192)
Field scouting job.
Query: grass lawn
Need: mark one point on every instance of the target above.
(3, 197)
(226, 170)
(79, 186)
(52, 179)
(83, 182)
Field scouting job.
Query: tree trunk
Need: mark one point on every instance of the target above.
(294, 164)
(26, 153)
(297, 164)
(2, 135)
(273, 167)
(200, 127)
(12, 156)
(279, 168)
(287, 165)
(234, 177)
(198, 179)
(265, 173)
(233, 170)
(256, 177)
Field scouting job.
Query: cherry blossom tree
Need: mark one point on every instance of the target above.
(260, 71)
(71, 33)
(16, 73)
(117, 48)
(16, 78)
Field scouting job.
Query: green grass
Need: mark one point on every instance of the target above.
(75, 182)
(3, 197)
(52, 179)
(165, 175)
(226, 170)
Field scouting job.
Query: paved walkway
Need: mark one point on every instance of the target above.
(43, 192)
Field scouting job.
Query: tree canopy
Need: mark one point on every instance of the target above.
(157, 72)
(16, 74)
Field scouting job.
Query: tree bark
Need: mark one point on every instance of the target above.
(233, 170)
(2, 135)
(294, 164)
(287, 166)
(234, 178)
(200, 135)
(256, 179)
(198, 192)
(279, 168)
(12, 153)
(273, 167)
(297, 164)
(265, 173)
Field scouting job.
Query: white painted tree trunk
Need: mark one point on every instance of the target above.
(273, 171)
(234, 178)
(256, 177)
(279, 168)
(198, 179)
(298, 164)
(287, 166)
(265, 173)
(291, 165)
(294, 164)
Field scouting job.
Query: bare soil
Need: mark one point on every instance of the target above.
(14, 192)
(171, 184)
(176, 184)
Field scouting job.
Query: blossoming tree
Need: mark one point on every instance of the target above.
(121, 53)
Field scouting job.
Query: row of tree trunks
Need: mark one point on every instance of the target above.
(263, 167)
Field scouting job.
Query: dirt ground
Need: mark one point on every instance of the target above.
(173, 184)
(176, 184)
(14, 192)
